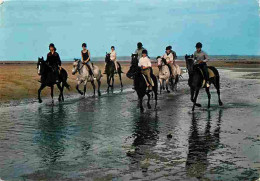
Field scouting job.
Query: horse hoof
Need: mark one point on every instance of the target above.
(168, 91)
(141, 110)
(220, 103)
(149, 106)
(198, 105)
(99, 94)
(40, 101)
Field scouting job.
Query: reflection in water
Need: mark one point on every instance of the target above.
(145, 134)
(200, 144)
(51, 136)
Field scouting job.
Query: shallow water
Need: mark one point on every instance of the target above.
(108, 138)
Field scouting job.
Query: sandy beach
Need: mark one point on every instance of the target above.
(19, 80)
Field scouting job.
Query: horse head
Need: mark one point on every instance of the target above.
(107, 59)
(76, 66)
(189, 62)
(134, 59)
(40, 65)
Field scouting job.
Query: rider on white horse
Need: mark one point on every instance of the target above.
(85, 58)
(170, 58)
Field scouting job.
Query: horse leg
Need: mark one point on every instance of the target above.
(195, 99)
(77, 88)
(39, 92)
(167, 83)
(94, 88)
(61, 91)
(99, 83)
(112, 86)
(148, 102)
(108, 83)
(52, 101)
(120, 78)
(192, 94)
(176, 82)
(163, 84)
(209, 96)
(160, 86)
(217, 86)
(141, 104)
(155, 97)
(85, 88)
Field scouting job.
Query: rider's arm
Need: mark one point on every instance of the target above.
(48, 59)
(58, 58)
(88, 57)
(206, 57)
(82, 57)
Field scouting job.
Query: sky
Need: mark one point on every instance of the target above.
(225, 27)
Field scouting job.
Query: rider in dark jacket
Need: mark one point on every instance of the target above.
(53, 60)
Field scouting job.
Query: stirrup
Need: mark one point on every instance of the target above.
(207, 84)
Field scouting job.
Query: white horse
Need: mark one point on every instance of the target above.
(85, 77)
(176, 72)
(164, 74)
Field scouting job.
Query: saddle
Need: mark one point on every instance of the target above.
(146, 81)
(211, 75)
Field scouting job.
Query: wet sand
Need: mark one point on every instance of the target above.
(107, 138)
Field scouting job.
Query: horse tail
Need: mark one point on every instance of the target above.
(64, 76)
(120, 68)
(66, 85)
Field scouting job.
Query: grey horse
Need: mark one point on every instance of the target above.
(85, 77)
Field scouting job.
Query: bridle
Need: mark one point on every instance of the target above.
(78, 67)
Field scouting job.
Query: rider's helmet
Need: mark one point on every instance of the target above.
(144, 52)
(139, 45)
(168, 48)
(52, 45)
(199, 45)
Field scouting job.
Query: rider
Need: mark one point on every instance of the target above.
(170, 57)
(113, 57)
(85, 58)
(53, 60)
(201, 58)
(145, 64)
(139, 50)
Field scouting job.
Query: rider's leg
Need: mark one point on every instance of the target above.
(206, 73)
(147, 73)
(56, 71)
(90, 67)
(115, 62)
(171, 68)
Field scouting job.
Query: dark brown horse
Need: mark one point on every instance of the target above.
(110, 71)
(48, 79)
(140, 85)
(196, 81)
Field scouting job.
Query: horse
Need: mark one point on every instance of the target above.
(110, 71)
(48, 79)
(196, 79)
(176, 76)
(164, 74)
(140, 84)
(84, 76)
